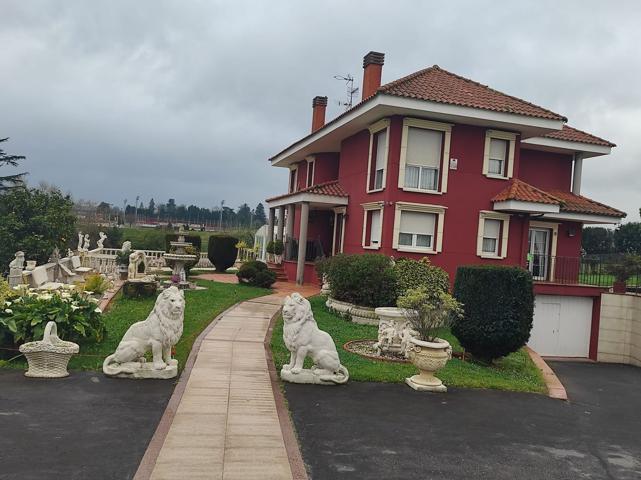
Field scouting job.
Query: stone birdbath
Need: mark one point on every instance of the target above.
(180, 257)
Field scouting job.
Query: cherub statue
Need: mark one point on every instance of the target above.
(102, 239)
(85, 247)
(80, 239)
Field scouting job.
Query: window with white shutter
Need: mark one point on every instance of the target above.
(416, 229)
(377, 163)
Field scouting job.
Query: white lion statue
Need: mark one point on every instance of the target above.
(303, 338)
(159, 333)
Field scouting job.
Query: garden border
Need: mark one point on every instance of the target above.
(148, 461)
(292, 446)
(553, 384)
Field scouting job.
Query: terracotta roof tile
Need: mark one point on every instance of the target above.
(438, 85)
(331, 188)
(579, 204)
(524, 192)
(571, 134)
(567, 201)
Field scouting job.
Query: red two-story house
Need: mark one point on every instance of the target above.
(436, 165)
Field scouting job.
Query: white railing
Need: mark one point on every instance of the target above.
(246, 255)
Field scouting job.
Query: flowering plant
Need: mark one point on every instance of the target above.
(175, 279)
(78, 317)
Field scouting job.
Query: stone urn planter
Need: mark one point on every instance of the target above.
(48, 358)
(363, 315)
(393, 330)
(428, 357)
(342, 308)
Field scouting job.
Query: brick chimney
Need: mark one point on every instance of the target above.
(373, 70)
(319, 104)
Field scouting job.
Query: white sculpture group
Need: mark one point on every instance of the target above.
(303, 338)
(136, 260)
(158, 333)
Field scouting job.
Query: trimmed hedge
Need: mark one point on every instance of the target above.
(367, 279)
(413, 274)
(498, 304)
(222, 251)
(256, 274)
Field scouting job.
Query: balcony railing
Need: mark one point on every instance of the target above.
(576, 271)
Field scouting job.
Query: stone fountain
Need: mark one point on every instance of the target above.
(180, 257)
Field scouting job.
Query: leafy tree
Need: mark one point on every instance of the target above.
(10, 181)
(34, 221)
(151, 209)
(597, 240)
(244, 215)
(259, 215)
(627, 238)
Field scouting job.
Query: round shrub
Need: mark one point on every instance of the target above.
(498, 304)
(222, 251)
(367, 280)
(276, 247)
(412, 274)
(256, 274)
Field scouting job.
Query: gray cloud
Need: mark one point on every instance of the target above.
(110, 99)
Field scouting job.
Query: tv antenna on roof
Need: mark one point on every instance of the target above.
(351, 91)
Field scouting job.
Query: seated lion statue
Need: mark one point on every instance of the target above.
(159, 333)
(303, 338)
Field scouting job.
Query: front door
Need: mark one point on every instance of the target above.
(539, 253)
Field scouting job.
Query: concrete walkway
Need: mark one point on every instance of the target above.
(226, 425)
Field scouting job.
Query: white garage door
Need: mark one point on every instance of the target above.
(561, 326)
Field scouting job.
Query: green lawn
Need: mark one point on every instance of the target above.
(202, 306)
(515, 372)
(605, 280)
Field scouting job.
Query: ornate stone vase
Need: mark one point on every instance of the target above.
(428, 357)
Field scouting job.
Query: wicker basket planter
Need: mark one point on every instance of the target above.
(49, 357)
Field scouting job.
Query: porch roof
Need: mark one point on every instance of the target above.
(327, 193)
(520, 196)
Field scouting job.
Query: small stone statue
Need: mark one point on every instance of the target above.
(80, 239)
(102, 239)
(136, 259)
(18, 262)
(16, 266)
(126, 246)
(303, 338)
(159, 333)
(55, 256)
(85, 247)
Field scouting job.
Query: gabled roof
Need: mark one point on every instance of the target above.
(331, 188)
(571, 134)
(567, 201)
(524, 192)
(438, 85)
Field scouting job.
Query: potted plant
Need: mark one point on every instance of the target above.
(428, 310)
(122, 260)
(628, 265)
(275, 250)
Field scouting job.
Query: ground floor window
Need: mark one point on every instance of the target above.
(418, 227)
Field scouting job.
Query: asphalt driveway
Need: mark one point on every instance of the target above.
(388, 431)
(85, 426)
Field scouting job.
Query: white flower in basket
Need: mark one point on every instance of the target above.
(48, 358)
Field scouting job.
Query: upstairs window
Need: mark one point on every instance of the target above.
(293, 179)
(425, 150)
(491, 235)
(378, 149)
(499, 149)
(498, 159)
(311, 166)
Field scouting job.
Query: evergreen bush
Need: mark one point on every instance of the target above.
(256, 274)
(412, 274)
(222, 251)
(498, 304)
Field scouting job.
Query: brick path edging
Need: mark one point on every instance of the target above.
(554, 386)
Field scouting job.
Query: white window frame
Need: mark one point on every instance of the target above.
(293, 168)
(368, 207)
(504, 218)
(508, 168)
(438, 210)
(375, 128)
(339, 211)
(446, 128)
(311, 164)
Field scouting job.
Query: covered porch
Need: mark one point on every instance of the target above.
(311, 224)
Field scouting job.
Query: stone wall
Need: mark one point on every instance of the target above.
(620, 329)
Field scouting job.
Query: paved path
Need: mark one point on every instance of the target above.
(226, 425)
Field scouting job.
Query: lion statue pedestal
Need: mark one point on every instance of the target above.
(303, 338)
(158, 333)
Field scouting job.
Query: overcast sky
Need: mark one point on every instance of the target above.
(187, 99)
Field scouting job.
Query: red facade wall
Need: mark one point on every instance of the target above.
(326, 167)
(546, 170)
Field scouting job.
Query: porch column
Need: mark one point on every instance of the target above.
(270, 225)
(302, 243)
(290, 230)
(281, 223)
(576, 176)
